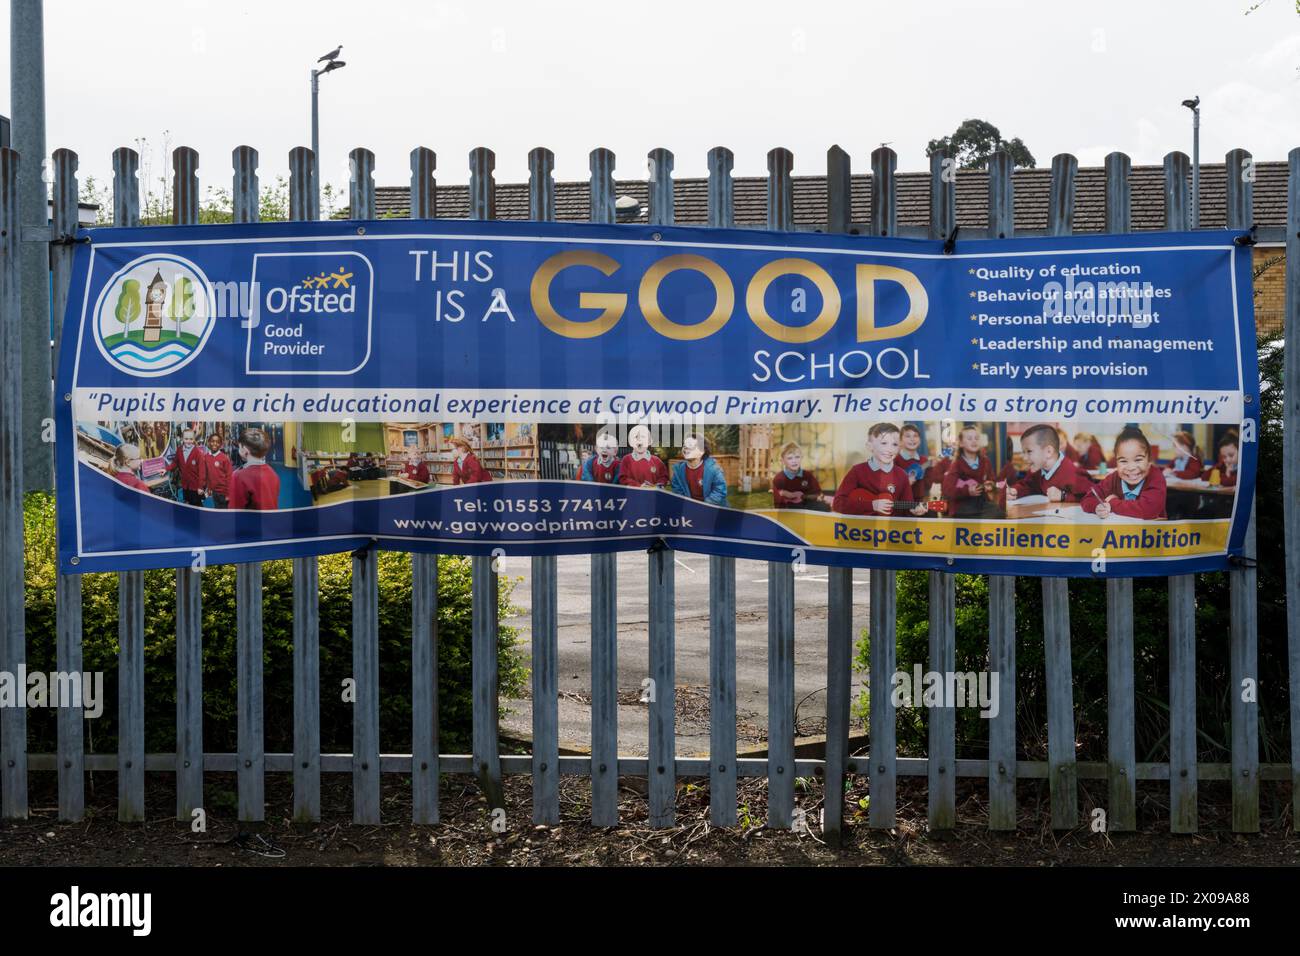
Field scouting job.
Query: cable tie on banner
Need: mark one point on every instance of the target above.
(1238, 561)
(69, 239)
(1247, 238)
(950, 243)
(659, 544)
(365, 549)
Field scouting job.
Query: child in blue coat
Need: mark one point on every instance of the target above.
(602, 467)
(699, 476)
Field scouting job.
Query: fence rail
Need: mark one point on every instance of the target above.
(425, 765)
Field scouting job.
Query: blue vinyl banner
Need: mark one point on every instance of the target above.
(1080, 405)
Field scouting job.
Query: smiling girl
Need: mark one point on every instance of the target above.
(1134, 489)
(126, 467)
(969, 478)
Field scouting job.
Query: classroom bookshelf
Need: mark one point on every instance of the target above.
(513, 456)
(510, 455)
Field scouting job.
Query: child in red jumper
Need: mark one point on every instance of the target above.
(219, 471)
(640, 468)
(912, 460)
(875, 485)
(1229, 458)
(414, 469)
(192, 464)
(126, 467)
(602, 467)
(1187, 458)
(792, 486)
(1085, 451)
(1050, 472)
(1134, 489)
(256, 486)
(969, 478)
(466, 469)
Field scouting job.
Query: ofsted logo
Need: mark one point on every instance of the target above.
(312, 314)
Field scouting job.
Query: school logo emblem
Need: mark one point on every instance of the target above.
(154, 315)
(889, 488)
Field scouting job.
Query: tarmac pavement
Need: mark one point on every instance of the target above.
(692, 656)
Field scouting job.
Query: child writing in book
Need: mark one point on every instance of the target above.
(969, 478)
(219, 471)
(792, 487)
(1229, 458)
(639, 468)
(602, 467)
(1050, 472)
(1086, 451)
(256, 486)
(126, 467)
(414, 468)
(874, 486)
(699, 476)
(1134, 489)
(1187, 458)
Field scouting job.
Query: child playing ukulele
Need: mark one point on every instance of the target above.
(969, 478)
(875, 485)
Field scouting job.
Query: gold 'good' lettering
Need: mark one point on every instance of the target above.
(612, 303)
(918, 302)
(722, 288)
(800, 333)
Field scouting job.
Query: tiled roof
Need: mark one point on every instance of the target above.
(690, 199)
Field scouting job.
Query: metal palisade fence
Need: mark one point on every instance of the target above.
(662, 767)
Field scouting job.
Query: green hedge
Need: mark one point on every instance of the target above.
(1150, 639)
(100, 647)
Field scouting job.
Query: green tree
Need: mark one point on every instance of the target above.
(181, 307)
(975, 141)
(94, 194)
(128, 304)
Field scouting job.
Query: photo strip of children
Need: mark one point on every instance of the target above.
(968, 469)
(833, 485)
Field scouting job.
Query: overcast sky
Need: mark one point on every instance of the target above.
(1082, 77)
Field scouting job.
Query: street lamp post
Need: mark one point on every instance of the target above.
(1194, 104)
(332, 62)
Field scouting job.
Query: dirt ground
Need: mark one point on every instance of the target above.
(464, 838)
